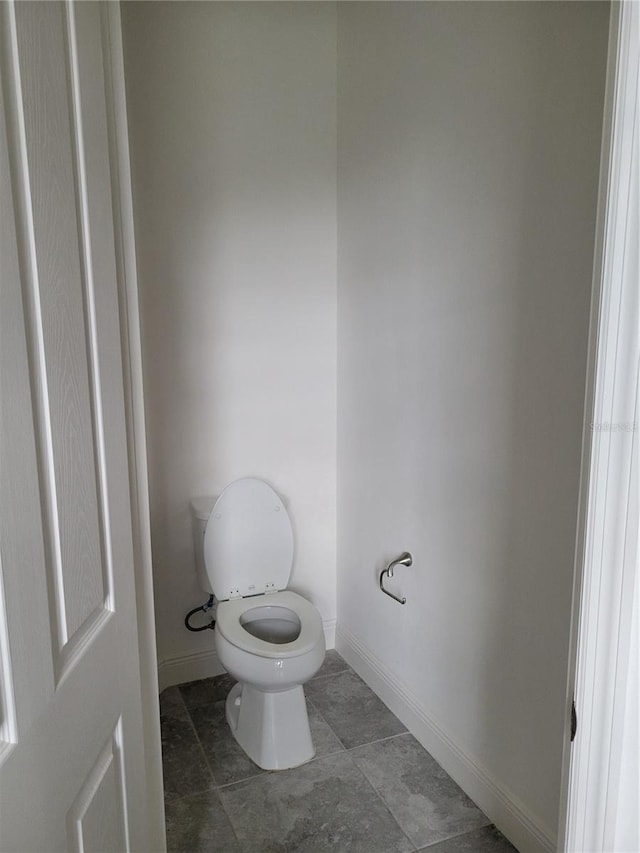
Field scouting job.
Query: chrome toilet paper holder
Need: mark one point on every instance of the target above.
(405, 559)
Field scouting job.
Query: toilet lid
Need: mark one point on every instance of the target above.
(248, 541)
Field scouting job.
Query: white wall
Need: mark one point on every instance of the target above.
(468, 146)
(232, 111)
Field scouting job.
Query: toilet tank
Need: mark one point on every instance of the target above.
(200, 512)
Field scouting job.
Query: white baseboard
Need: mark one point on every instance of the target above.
(498, 803)
(189, 667)
(196, 665)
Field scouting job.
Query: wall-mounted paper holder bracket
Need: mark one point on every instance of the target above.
(405, 559)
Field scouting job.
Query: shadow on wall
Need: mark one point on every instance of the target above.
(554, 249)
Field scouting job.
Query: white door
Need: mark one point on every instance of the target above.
(72, 764)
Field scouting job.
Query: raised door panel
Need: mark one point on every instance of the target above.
(25, 686)
(96, 820)
(61, 328)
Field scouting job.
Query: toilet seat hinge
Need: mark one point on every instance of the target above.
(269, 587)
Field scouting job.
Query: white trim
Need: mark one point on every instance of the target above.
(196, 665)
(189, 667)
(508, 813)
(607, 546)
(134, 412)
(594, 314)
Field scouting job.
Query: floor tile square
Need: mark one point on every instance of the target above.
(206, 690)
(198, 824)
(227, 760)
(425, 800)
(184, 766)
(325, 805)
(485, 840)
(352, 709)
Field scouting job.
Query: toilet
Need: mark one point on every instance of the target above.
(269, 638)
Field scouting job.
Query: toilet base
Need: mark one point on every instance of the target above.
(272, 728)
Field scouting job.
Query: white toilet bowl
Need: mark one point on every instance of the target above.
(267, 637)
(272, 648)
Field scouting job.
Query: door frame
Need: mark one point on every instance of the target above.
(124, 232)
(606, 564)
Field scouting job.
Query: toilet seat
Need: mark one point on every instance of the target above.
(248, 541)
(230, 612)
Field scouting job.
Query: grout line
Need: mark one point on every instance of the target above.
(288, 770)
(320, 757)
(329, 675)
(328, 725)
(457, 835)
(206, 757)
(231, 824)
(217, 786)
(204, 704)
(182, 702)
(379, 796)
(170, 800)
(325, 755)
(379, 740)
(251, 778)
(201, 748)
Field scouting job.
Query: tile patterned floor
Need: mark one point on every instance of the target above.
(371, 788)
